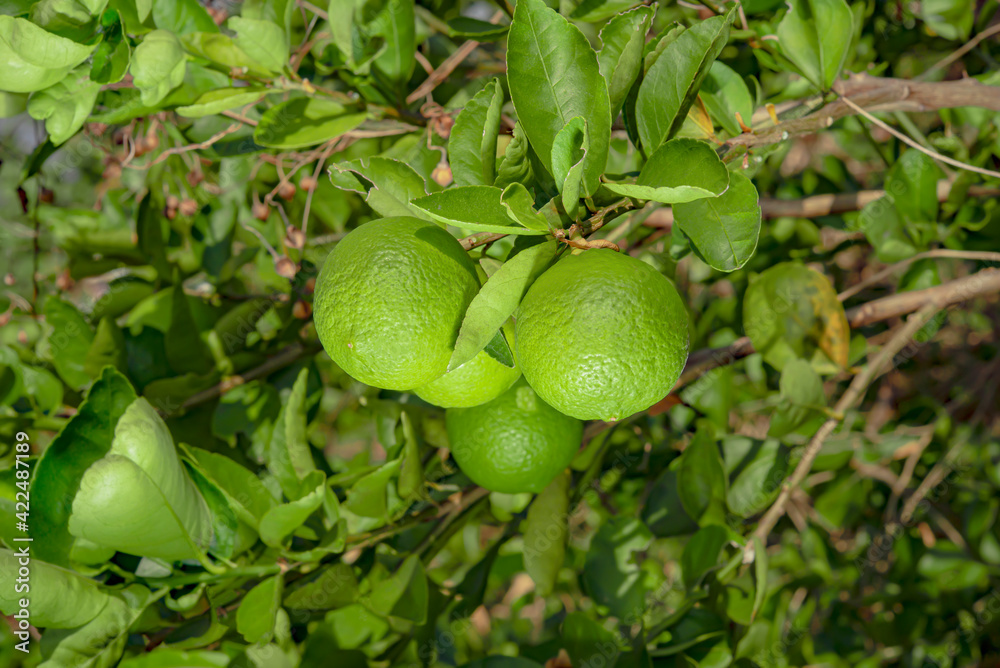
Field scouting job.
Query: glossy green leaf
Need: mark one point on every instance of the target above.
(40, 386)
(620, 57)
(387, 185)
(671, 85)
(182, 16)
(34, 59)
(498, 299)
(158, 66)
(163, 657)
(723, 229)
(465, 27)
(663, 512)
(411, 474)
(610, 573)
(587, 642)
(951, 19)
(60, 598)
(69, 342)
(247, 495)
(65, 106)
(911, 184)
(290, 455)
(255, 617)
(791, 311)
(185, 349)
(334, 587)
(281, 521)
(264, 41)
(554, 76)
(222, 51)
(475, 208)
(681, 170)
(757, 482)
(305, 121)
(520, 207)
(545, 531)
(394, 23)
(703, 553)
(404, 594)
(515, 166)
(725, 94)
(11, 376)
(885, 229)
(107, 349)
(368, 496)
(472, 147)
(223, 99)
(702, 480)
(816, 36)
(138, 498)
(112, 58)
(499, 349)
(569, 155)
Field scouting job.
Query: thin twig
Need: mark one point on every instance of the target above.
(481, 239)
(985, 256)
(915, 144)
(184, 149)
(445, 69)
(939, 472)
(239, 117)
(962, 50)
(855, 391)
(331, 147)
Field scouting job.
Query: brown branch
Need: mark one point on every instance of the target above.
(443, 71)
(481, 239)
(983, 282)
(184, 149)
(877, 94)
(855, 391)
(984, 256)
(962, 50)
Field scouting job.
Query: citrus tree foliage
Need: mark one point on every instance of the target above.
(208, 489)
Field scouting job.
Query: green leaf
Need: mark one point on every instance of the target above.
(515, 166)
(472, 147)
(725, 94)
(545, 530)
(620, 57)
(723, 229)
(247, 495)
(334, 587)
(107, 348)
(11, 376)
(681, 170)
(472, 589)
(702, 554)
(499, 349)
(520, 207)
(112, 57)
(395, 24)
(569, 154)
(411, 475)
(161, 657)
(500, 661)
(60, 598)
(671, 85)
(101, 641)
(911, 184)
(885, 230)
(305, 121)
(664, 513)
(84, 440)
(223, 52)
(223, 99)
(387, 185)
(764, 465)
(791, 311)
(138, 498)
(158, 66)
(702, 480)
(760, 574)
(610, 573)
(553, 77)
(289, 454)
(476, 208)
(256, 615)
(65, 106)
(585, 640)
(186, 351)
(367, 497)
(40, 386)
(264, 41)
(498, 299)
(404, 594)
(180, 17)
(33, 59)
(464, 27)
(280, 522)
(816, 35)
(69, 342)
(951, 19)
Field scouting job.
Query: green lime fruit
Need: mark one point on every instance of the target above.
(477, 381)
(514, 444)
(601, 335)
(390, 300)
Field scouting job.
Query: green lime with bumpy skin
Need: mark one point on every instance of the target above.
(477, 381)
(513, 444)
(390, 300)
(601, 335)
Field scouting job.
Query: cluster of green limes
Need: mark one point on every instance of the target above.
(598, 336)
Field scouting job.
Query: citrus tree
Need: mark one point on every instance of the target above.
(563, 333)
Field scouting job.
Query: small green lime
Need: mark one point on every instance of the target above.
(477, 381)
(513, 444)
(390, 300)
(601, 335)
